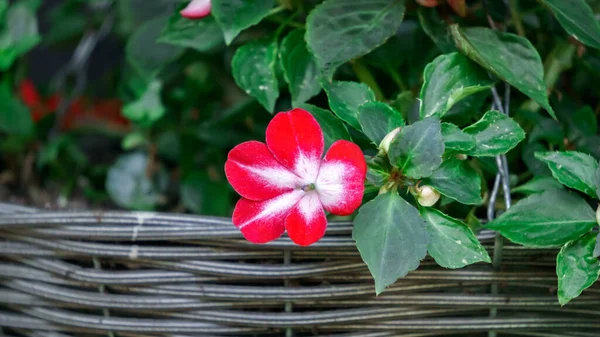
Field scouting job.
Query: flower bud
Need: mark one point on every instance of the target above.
(598, 215)
(461, 156)
(426, 195)
(384, 146)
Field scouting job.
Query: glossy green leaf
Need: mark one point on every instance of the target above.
(538, 185)
(377, 119)
(333, 128)
(148, 108)
(452, 244)
(129, 186)
(236, 15)
(548, 219)
(204, 196)
(447, 80)
(572, 169)
(201, 35)
(436, 29)
(15, 118)
(147, 55)
(391, 238)
(19, 35)
(576, 267)
(417, 150)
(340, 30)
(495, 134)
(299, 68)
(455, 140)
(254, 71)
(509, 56)
(577, 18)
(457, 180)
(346, 97)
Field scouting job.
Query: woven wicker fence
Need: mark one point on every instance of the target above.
(140, 274)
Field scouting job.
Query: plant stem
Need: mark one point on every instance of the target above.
(516, 17)
(276, 10)
(365, 76)
(397, 78)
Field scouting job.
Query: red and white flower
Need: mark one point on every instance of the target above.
(285, 185)
(196, 9)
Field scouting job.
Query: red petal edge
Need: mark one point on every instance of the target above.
(255, 174)
(263, 221)
(296, 140)
(306, 223)
(341, 179)
(196, 9)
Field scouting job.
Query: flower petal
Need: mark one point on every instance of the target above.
(340, 183)
(296, 140)
(306, 223)
(196, 9)
(263, 221)
(255, 174)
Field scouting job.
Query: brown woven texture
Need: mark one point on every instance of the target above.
(153, 274)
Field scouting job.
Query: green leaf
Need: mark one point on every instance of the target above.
(548, 219)
(201, 35)
(577, 18)
(417, 150)
(509, 56)
(597, 247)
(453, 244)
(378, 170)
(15, 118)
(147, 56)
(391, 238)
(3, 8)
(134, 140)
(572, 169)
(447, 80)
(148, 108)
(129, 186)
(457, 180)
(537, 185)
(236, 15)
(547, 129)
(203, 196)
(377, 119)
(436, 29)
(340, 30)
(346, 97)
(254, 71)
(333, 128)
(299, 68)
(495, 134)
(576, 267)
(20, 34)
(455, 140)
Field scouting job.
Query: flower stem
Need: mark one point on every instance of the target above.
(516, 17)
(365, 76)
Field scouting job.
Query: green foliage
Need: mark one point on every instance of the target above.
(449, 79)
(406, 83)
(453, 244)
(495, 134)
(254, 71)
(236, 15)
(391, 238)
(345, 98)
(417, 150)
(578, 19)
(338, 30)
(547, 219)
(508, 56)
(576, 267)
(299, 68)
